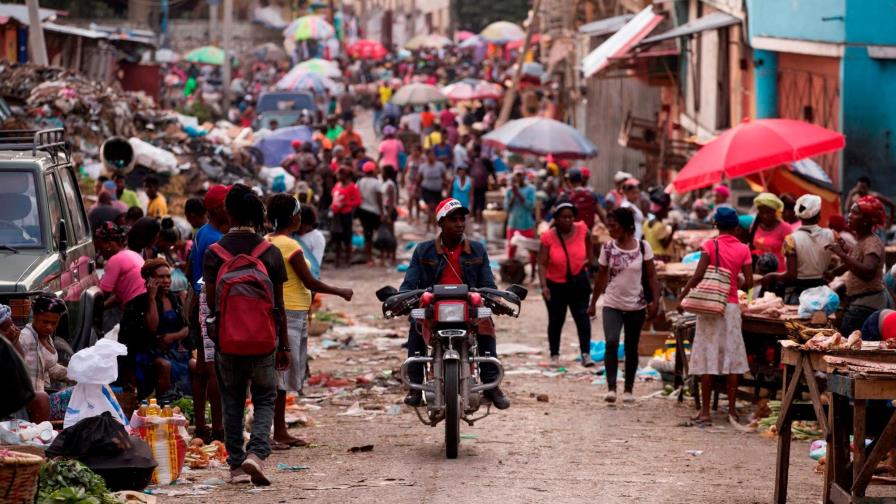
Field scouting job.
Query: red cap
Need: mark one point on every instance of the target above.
(369, 167)
(586, 173)
(447, 206)
(215, 196)
(295, 143)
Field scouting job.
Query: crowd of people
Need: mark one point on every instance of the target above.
(165, 276)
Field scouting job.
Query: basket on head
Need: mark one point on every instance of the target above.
(19, 476)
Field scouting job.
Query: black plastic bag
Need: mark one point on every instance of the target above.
(383, 239)
(17, 388)
(103, 445)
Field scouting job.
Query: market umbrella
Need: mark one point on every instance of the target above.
(367, 49)
(471, 42)
(277, 144)
(418, 94)
(308, 81)
(166, 56)
(318, 66)
(309, 27)
(207, 55)
(431, 41)
(463, 35)
(269, 51)
(502, 32)
(542, 136)
(472, 89)
(753, 146)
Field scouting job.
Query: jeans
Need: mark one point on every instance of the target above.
(485, 343)
(562, 298)
(235, 375)
(615, 321)
(853, 317)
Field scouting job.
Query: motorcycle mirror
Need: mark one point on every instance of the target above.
(386, 292)
(519, 290)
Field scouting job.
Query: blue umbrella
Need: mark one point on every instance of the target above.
(542, 136)
(278, 144)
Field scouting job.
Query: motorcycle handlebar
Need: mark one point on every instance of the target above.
(396, 304)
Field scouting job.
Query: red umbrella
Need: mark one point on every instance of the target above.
(754, 146)
(367, 49)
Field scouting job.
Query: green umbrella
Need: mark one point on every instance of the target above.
(207, 55)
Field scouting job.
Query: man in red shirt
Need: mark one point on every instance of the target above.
(451, 259)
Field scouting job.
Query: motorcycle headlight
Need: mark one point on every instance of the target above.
(450, 312)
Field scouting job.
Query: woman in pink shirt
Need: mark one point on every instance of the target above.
(121, 276)
(390, 148)
(563, 257)
(769, 231)
(718, 347)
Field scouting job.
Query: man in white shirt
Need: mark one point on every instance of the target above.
(631, 189)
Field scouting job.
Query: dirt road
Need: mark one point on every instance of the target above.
(571, 449)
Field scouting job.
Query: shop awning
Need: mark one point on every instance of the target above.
(73, 30)
(605, 26)
(621, 42)
(712, 21)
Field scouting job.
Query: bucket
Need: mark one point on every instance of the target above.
(117, 155)
(494, 224)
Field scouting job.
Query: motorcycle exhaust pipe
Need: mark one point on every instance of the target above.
(492, 384)
(117, 155)
(407, 381)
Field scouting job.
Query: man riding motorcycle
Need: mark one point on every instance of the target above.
(451, 259)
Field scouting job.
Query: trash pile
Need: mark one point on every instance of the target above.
(92, 112)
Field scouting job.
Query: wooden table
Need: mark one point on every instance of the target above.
(676, 275)
(858, 380)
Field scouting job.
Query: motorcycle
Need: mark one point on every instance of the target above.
(448, 317)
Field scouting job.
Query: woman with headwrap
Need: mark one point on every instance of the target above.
(768, 233)
(718, 347)
(35, 343)
(807, 258)
(862, 263)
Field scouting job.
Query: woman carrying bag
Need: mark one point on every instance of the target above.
(627, 280)
(563, 259)
(718, 347)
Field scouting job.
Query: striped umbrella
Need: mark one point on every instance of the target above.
(207, 55)
(502, 32)
(309, 81)
(542, 136)
(309, 27)
(367, 49)
(319, 66)
(418, 94)
(431, 41)
(472, 89)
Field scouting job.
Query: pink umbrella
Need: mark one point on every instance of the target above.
(754, 146)
(472, 89)
(463, 35)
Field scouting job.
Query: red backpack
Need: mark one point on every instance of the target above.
(244, 296)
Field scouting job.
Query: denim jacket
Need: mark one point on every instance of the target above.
(429, 261)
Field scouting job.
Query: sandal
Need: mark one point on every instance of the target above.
(278, 446)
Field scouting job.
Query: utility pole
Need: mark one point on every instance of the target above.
(213, 18)
(511, 93)
(227, 44)
(36, 34)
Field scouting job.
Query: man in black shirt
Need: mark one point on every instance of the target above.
(237, 372)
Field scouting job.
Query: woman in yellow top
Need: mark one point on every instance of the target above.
(656, 233)
(285, 217)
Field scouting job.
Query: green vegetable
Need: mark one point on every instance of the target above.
(71, 482)
(325, 316)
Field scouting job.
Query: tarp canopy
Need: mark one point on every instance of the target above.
(712, 21)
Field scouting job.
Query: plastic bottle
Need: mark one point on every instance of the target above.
(153, 408)
(166, 411)
(141, 411)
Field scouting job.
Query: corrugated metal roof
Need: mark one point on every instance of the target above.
(74, 30)
(20, 13)
(621, 42)
(605, 26)
(712, 21)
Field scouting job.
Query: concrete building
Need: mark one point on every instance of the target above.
(832, 62)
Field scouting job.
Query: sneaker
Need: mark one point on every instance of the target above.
(586, 360)
(238, 476)
(252, 466)
(555, 360)
(627, 397)
(414, 398)
(610, 397)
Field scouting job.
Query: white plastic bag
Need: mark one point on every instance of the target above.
(94, 368)
(818, 299)
(152, 157)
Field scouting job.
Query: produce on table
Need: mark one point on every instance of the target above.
(836, 341)
(768, 305)
(69, 481)
(802, 333)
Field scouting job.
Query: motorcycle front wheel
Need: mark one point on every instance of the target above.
(452, 409)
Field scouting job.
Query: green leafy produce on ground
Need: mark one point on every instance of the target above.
(71, 482)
